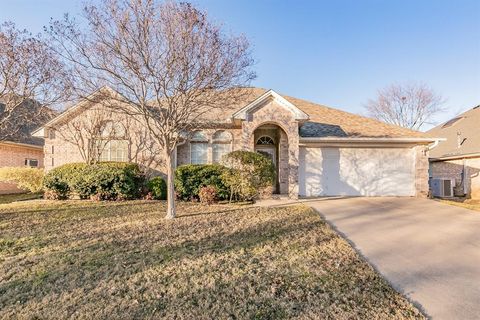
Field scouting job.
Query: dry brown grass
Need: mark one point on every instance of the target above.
(464, 203)
(8, 198)
(91, 260)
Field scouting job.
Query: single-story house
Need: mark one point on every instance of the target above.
(317, 150)
(457, 159)
(17, 147)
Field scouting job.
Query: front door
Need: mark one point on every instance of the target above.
(269, 152)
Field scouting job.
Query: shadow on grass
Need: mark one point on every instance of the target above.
(89, 264)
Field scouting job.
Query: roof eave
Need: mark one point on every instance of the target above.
(393, 140)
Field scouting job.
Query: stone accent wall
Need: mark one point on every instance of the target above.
(273, 113)
(453, 169)
(421, 171)
(283, 167)
(14, 156)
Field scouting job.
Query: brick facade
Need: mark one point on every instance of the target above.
(59, 148)
(456, 169)
(14, 155)
(271, 117)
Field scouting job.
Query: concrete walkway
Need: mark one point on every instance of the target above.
(427, 250)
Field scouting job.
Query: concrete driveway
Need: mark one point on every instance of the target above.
(427, 250)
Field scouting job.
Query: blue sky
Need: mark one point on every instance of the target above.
(340, 52)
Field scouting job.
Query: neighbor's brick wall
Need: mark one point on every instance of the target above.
(452, 169)
(14, 156)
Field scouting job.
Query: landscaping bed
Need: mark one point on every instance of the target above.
(86, 259)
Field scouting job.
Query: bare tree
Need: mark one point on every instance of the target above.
(99, 124)
(168, 62)
(410, 106)
(90, 133)
(30, 79)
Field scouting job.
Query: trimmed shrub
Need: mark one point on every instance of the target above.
(207, 194)
(158, 188)
(101, 181)
(29, 179)
(191, 177)
(249, 174)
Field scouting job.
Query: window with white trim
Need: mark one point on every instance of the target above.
(112, 143)
(115, 150)
(222, 144)
(31, 163)
(199, 148)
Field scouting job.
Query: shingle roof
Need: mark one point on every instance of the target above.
(326, 121)
(29, 116)
(463, 135)
(323, 121)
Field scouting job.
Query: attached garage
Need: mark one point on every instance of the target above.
(356, 171)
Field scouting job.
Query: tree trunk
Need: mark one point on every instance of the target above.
(170, 159)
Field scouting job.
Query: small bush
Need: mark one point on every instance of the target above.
(249, 174)
(101, 181)
(207, 195)
(191, 177)
(157, 187)
(29, 179)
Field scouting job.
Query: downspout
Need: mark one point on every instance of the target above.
(434, 145)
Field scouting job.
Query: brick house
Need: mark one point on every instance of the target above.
(316, 150)
(458, 157)
(18, 148)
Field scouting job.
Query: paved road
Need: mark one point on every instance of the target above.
(427, 250)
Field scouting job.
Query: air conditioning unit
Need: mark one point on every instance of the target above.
(442, 188)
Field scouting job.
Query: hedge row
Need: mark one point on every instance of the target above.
(191, 177)
(101, 181)
(244, 176)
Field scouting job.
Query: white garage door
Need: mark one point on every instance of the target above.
(356, 172)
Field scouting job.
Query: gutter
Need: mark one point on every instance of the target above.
(455, 157)
(368, 140)
(19, 144)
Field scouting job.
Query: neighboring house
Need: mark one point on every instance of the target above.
(458, 157)
(18, 148)
(317, 150)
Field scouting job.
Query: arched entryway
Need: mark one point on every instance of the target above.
(272, 141)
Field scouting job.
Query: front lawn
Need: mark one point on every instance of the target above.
(123, 260)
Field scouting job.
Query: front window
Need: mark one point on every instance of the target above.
(31, 163)
(199, 148)
(112, 143)
(199, 152)
(222, 144)
(115, 150)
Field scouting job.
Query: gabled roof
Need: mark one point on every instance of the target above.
(270, 94)
(316, 120)
(77, 108)
(462, 135)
